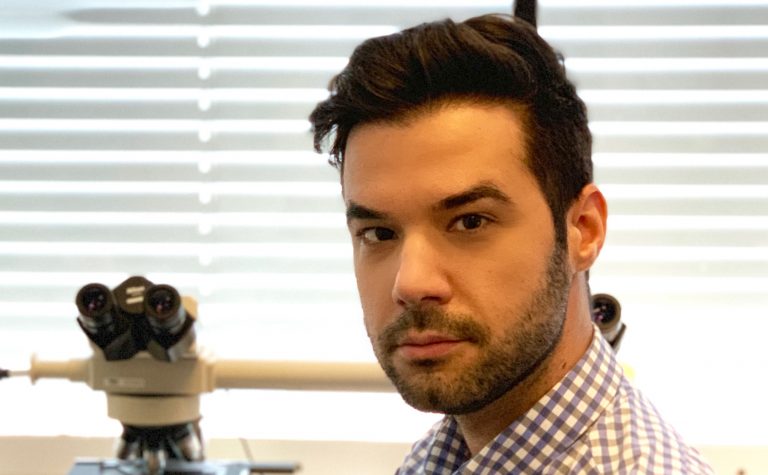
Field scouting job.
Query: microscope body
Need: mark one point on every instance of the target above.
(146, 360)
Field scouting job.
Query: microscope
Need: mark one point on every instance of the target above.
(145, 359)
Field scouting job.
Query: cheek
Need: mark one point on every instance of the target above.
(510, 274)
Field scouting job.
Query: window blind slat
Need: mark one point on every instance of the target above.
(170, 77)
(146, 109)
(654, 13)
(681, 142)
(152, 140)
(591, 41)
(45, 107)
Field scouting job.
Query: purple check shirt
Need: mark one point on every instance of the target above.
(592, 422)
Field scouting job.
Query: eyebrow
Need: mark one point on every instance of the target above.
(478, 192)
(358, 211)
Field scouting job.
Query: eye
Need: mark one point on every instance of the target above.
(469, 222)
(376, 234)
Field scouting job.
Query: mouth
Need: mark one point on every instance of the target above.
(428, 346)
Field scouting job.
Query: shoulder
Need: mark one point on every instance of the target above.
(632, 437)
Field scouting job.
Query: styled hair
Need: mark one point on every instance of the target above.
(490, 59)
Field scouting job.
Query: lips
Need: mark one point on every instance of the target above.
(428, 345)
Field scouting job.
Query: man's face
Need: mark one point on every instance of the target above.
(462, 287)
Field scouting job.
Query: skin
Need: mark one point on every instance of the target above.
(457, 267)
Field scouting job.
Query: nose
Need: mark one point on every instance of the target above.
(422, 275)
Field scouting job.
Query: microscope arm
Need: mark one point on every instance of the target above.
(197, 374)
(334, 376)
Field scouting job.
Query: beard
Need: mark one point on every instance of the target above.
(505, 360)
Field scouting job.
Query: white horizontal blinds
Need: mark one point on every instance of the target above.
(169, 139)
(164, 139)
(677, 96)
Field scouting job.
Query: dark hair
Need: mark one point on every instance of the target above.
(488, 59)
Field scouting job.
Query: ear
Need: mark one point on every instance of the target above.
(586, 221)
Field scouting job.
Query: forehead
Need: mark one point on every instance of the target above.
(437, 152)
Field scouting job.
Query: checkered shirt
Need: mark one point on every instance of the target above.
(592, 422)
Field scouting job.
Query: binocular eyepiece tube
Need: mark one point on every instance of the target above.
(134, 316)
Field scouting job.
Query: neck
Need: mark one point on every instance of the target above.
(481, 427)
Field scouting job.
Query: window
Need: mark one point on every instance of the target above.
(169, 139)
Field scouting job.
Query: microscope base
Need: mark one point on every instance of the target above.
(175, 467)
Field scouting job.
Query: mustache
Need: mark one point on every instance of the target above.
(422, 318)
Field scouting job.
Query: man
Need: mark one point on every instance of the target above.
(466, 171)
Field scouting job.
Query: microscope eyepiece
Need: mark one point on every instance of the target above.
(606, 313)
(162, 301)
(605, 309)
(96, 306)
(163, 308)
